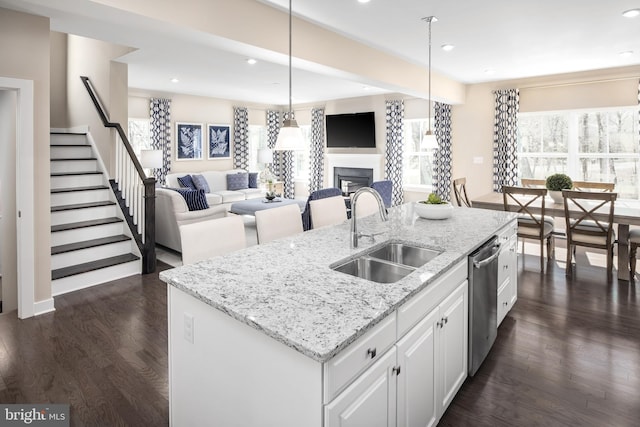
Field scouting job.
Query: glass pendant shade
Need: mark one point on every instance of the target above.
(429, 141)
(289, 137)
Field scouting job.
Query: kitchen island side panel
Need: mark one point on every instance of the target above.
(234, 375)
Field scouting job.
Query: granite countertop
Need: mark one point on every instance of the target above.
(287, 289)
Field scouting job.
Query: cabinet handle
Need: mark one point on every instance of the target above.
(371, 352)
(440, 324)
(505, 303)
(396, 370)
(446, 320)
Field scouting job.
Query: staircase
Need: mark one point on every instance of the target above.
(90, 242)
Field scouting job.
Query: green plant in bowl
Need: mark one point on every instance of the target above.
(434, 199)
(559, 182)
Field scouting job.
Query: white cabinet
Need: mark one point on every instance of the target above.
(507, 271)
(413, 383)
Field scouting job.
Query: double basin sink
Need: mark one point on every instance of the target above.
(388, 263)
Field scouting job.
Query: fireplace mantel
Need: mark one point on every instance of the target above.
(371, 161)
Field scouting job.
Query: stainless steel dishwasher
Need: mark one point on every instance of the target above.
(483, 297)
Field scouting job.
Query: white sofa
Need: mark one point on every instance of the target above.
(172, 210)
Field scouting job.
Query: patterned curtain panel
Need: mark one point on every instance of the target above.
(160, 113)
(316, 156)
(241, 138)
(505, 139)
(393, 167)
(282, 165)
(443, 157)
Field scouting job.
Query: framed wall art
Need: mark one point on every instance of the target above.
(219, 137)
(189, 141)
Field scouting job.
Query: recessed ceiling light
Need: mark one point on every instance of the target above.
(364, 1)
(626, 53)
(365, 88)
(447, 47)
(251, 61)
(489, 71)
(631, 13)
(174, 80)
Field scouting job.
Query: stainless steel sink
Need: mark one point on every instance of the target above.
(374, 269)
(388, 263)
(401, 253)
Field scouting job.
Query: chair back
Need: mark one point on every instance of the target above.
(385, 189)
(367, 204)
(328, 211)
(522, 200)
(276, 223)
(317, 195)
(534, 183)
(460, 192)
(589, 228)
(591, 186)
(205, 239)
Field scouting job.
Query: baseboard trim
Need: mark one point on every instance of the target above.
(43, 307)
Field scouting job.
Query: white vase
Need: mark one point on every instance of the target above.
(556, 196)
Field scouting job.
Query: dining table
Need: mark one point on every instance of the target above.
(626, 213)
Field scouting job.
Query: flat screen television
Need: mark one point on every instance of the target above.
(351, 130)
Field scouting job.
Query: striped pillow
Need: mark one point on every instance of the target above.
(196, 199)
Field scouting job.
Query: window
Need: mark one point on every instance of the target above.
(140, 135)
(301, 157)
(417, 162)
(588, 145)
(257, 140)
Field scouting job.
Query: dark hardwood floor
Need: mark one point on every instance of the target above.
(568, 354)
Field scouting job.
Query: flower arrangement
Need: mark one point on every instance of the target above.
(434, 199)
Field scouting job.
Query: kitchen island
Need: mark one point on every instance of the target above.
(272, 336)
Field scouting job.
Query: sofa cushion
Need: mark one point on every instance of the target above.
(213, 199)
(253, 179)
(196, 199)
(230, 196)
(237, 181)
(187, 182)
(201, 183)
(252, 193)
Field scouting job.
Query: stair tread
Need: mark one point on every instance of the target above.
(67, 133)
(76, 173)
(88, 244)
(69, 145)
(91, 266)
(84, 224)
(71, 159)
(71, 189)
(81, 206)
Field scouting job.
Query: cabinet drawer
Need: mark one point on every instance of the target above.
(415, 309)
(346, 365)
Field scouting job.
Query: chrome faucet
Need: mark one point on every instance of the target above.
(381, 208)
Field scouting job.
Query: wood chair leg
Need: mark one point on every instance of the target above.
(542, 256)
(569, 255)
(632, 259)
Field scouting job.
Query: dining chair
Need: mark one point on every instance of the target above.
(328, 211)
(590, 186)
(587, 230)
(530, 226)
(460, 192)
(367, 204)
(634, 242)
(206, 239)
(534, 183)
(276, 223)
(317, 195)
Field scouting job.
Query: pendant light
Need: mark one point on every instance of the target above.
(429, 139)
(290, 135)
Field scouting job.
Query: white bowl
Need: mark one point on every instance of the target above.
(429, 211)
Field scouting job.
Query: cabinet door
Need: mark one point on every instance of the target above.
(513, 269)
(452, 346)
(417, 403)
(370, 401)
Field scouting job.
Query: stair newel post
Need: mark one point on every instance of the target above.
(149, 248)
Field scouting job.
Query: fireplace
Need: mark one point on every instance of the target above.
(349, 180)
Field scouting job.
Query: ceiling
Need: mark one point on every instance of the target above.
(512, 39)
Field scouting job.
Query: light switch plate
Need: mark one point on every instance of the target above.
(188, 327)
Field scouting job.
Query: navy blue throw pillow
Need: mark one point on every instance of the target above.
(196, 199)
(253, 179)
(237, 181)
(187, 182)
(201, 183)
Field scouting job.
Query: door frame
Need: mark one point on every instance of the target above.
(25, 224)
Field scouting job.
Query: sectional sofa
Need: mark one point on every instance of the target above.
(172, 209)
